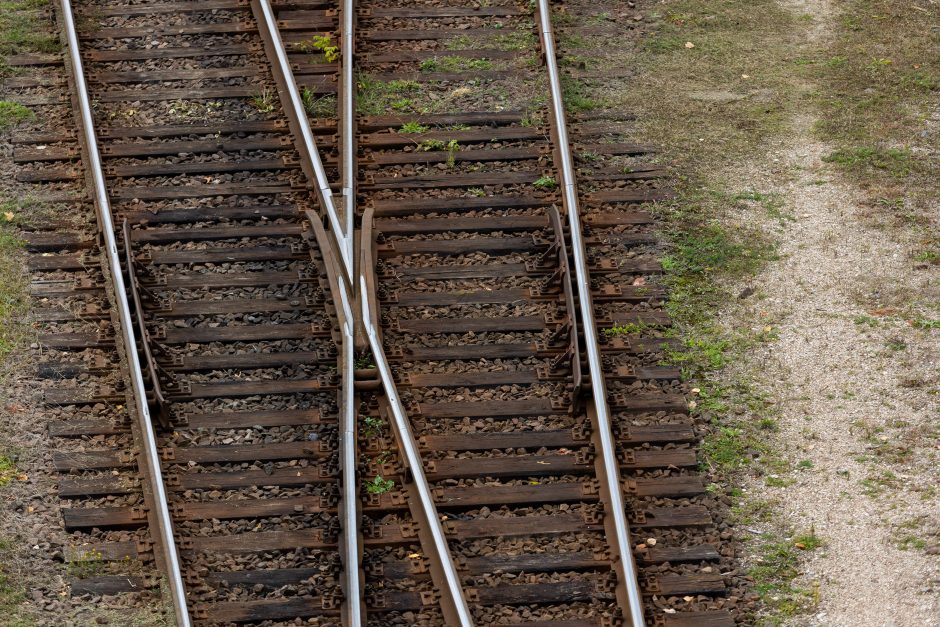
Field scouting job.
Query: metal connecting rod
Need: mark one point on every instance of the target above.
(453, 595)
(149, 446)
(624, 564)
(272, 36)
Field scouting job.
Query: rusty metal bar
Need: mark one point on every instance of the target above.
(150, 369)
(149, 446)
(628, 589)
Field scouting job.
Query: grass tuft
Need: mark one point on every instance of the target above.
(21, 30)
(12, 114)
(865, 159)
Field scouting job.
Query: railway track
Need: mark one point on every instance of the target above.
(393, 347)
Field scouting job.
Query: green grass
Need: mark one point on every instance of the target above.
(364, 361)
(428, 145)
(923, 323)
(726, 449)
(723, 98)
(879, 87)
(88, 564)
(377, 97)
(455, 64)
(318, 107)
(371, 426)
(13, 295)
(21, 30)
(7, 470)
(12, 595)
(12, 114)
(413, 127)
(522, 40)
(706, 254)
(573, 95)
(631, 328)
(264, 101)
(545, 183)
(866, 159)
(776, 566)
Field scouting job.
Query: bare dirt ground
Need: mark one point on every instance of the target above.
(854, 381)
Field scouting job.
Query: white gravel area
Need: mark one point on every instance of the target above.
(855, 386)
(853, 403)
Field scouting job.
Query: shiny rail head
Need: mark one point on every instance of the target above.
(625, 565)
(152, 461)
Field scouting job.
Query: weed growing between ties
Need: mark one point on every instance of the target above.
(264, 102)
(376, 97)
(322, 44)
(455, 64)
(318, 107)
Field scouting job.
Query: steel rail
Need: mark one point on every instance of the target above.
(353, 605)
(348, 131)
(324, 191)
(409, 445)
(106, 224)
(624, 564)
(351, 549)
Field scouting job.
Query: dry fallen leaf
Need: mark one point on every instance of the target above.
(414, 556)
(689, 44)
(745, 76)
(9, 215)
(639, 281)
